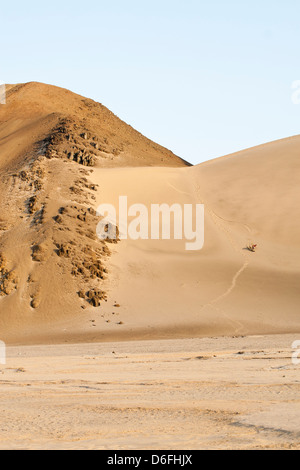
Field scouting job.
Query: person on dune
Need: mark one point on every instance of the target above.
(252, 248)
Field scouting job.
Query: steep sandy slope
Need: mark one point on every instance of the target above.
(249, 197)
(52, 265)
(54, 271)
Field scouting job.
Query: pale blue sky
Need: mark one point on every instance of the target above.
(203, 78)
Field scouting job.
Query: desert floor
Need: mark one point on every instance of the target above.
(210, 393)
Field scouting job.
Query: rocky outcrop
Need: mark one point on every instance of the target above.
(68, 141)
(8, 278)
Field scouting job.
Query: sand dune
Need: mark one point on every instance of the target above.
(62, 155)
(224, 288)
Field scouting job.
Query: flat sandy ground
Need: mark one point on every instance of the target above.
(216, 393)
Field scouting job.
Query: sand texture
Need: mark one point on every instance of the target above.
(219, 393)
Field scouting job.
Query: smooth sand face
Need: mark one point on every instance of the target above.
(222, 289)
(219, 393)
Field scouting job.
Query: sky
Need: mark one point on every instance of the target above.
(202, 78)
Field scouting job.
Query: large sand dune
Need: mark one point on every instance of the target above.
(62, 155)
